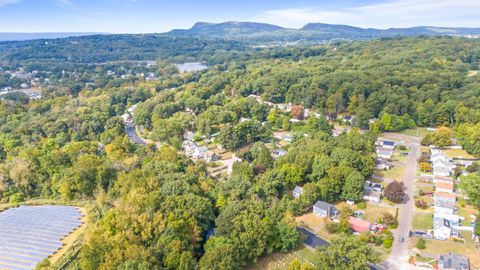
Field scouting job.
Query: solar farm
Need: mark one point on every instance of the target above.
(29, 234)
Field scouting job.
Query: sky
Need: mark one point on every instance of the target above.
(154, 16)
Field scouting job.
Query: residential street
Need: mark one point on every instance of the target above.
(399, 255)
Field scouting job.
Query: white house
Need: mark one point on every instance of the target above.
(384, 153)
(372, 196)
(324, 209)
(297, 191)
(388, 144)
(444, 207)
(382, 164)
(441, 229)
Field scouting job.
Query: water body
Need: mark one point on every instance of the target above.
(29, 234)
(191, 67)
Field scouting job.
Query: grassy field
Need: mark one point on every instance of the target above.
(395, 173)
(315, 224)
(455, 153)
(422, 221)
(280, 261)
(467, 249)
(416, 132)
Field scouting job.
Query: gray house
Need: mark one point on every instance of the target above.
(297, 191)
(453, 261)
(324, 209)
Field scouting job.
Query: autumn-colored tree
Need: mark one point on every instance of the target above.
(298, 112)
(425, 166)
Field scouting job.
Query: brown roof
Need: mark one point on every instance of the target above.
(444, 185)
(445, 195)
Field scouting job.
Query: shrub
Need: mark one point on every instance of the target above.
(402, 147)
(362, 205)
(421, 244)
(332, 227)
(16, 198)
(389, 219)
(421, 204)
(388, 242)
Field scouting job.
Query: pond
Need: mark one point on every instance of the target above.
(30, 234)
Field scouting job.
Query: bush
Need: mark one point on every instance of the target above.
(16, 198)
(421, 204)
(402, 147)
(332, 227)
(421, 244)
(362, 205)
(388, 242)
(389, 219)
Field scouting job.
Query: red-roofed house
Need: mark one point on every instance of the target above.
(444, 187)
(359, 225)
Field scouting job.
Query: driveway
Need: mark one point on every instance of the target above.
(132, 134)
(399, 256)
(311, 239)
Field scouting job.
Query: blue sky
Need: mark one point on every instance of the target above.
(147, 16)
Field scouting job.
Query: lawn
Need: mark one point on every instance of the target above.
(422, 222)
(395, 173)
(372, 213)
(315, 224)
(416, 132)
(281, 261)
(455, 153)
(442, 247)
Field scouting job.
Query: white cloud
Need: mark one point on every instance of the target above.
(394, 13)
(9, 2)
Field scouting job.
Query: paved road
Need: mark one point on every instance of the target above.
(311, 239)
(399, 255)
(132, 134)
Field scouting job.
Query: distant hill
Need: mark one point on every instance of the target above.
(311, 31)
(32, 36)
(227, 29)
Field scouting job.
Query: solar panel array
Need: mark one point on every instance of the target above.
(29, 234)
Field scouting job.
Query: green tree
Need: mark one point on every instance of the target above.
(346, 253)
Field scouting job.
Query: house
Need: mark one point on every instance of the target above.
(454, 220)
(348, 119)
(444, 187)
(359, 225)
(199, 151)
(294, 120)
(244, 119)
(188, 136)
(388, 144)
(441, 228)
(372, 196)
(444, 207)
(443, 196)
(277, 153)
(453, 261)
(382, 164)
(126, 118)
(210, 156)
(324, 209)
(441, 170)
(297, 191)
(384, 153)
(288, 138)
(445, 179)
(369, 185)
